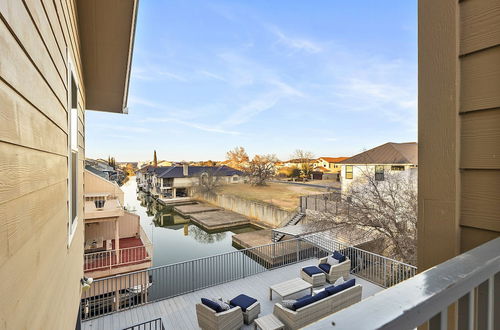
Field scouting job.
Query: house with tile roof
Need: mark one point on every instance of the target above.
(331, 164)
(401, 158)
(179, 181)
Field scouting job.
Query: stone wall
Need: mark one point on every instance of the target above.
(260, 211)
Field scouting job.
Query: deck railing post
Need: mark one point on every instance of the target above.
(298, 250)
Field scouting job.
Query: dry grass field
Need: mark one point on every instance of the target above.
(285, 196)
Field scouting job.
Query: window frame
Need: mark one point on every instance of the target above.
(73, 202)
(351, 172)
(397, 168)
(379, 175)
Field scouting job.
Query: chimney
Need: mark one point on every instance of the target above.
(185, 169)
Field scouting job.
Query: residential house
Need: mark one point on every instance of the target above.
(331, 164)
(114, 243)
(58, 58)
(390, 157)
(179, 181)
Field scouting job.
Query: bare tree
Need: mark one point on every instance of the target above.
(387, 208)
(209, 181)
(261, 169)
(238, 158)
(306, 161)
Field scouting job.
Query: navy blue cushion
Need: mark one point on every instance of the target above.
(311, 270)
(307, 300)
(243, 301)
(325, 267)
(336, 289)
(212, 304)
(304, 297)
(339, 256)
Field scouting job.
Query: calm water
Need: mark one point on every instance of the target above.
(174, 238)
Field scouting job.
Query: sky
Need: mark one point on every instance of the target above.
(331, 77)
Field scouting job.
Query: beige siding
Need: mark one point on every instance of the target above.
(459, 127)
(40, 273)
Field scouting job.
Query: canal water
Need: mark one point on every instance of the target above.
(175, 238)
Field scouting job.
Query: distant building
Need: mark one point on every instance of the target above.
(331, 164)
(179, 181)
(387, 158)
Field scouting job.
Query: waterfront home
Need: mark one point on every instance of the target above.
(179, 181)
(114, 243)
(400, 158)
(58, 58)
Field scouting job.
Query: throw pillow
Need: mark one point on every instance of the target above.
(288, 303)
(223, 306)
(339, 281)
(332, 261)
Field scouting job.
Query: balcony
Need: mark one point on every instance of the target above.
(170, 292)
(132, 251)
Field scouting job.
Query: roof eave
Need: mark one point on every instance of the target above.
(107, 30)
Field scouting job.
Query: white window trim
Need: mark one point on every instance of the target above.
(71, 225)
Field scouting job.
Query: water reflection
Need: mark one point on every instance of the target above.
(203, 237)
(175, 238)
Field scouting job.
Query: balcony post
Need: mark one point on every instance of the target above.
(117, 241)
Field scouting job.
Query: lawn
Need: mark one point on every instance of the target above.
(285, 196)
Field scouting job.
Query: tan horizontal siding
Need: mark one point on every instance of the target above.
(480, 200)
(480, 83)
(26, 170)
(18, 19)
(25, 216)
(480, 139)
(37, 12)
(480, 25)
(51, 14)
(17, 70)
(473, 237)
(22, 124)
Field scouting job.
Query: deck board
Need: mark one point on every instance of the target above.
(180, 313)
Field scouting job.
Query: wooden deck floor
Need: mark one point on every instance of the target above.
(179, 312)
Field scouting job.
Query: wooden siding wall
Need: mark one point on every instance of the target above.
(39, 273)
(459, 127)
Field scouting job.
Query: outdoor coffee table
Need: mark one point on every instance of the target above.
(289, 287)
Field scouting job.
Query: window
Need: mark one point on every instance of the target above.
(379, 173)
(235, 178)
(397, 168)
(348, 172)
(73, 159)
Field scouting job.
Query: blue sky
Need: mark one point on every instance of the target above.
(331, 77)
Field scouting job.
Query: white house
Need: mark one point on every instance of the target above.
(390, 157)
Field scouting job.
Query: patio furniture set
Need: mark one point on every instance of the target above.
(288, 314)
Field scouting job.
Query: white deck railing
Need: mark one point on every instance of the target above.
(464, 285)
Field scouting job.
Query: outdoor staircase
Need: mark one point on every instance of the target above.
(293, 221)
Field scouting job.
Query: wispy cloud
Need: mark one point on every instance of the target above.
(153, 73)
(212, 75)
(202, 127)
(296, 43)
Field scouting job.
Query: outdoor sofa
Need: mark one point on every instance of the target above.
(309, 309)
(244, 309)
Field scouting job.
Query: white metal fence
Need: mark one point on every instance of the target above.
(464, 289)
(111, 294)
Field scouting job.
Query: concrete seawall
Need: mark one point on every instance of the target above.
(266, 213)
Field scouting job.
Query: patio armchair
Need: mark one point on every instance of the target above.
(333, 272)
(209, 319)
